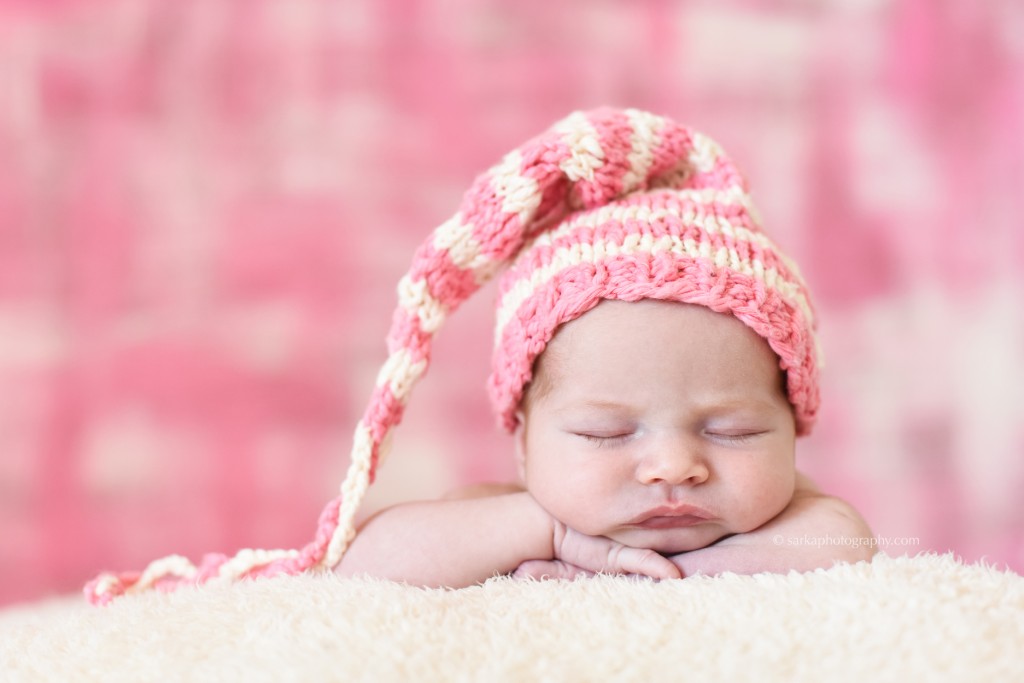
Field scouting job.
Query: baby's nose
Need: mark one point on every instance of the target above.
(674, 459)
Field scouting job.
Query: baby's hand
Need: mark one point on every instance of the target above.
(577, 554)
(548, 569)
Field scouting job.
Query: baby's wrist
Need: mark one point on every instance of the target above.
(542, 524)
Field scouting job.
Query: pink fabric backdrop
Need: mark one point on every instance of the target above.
(205, 206)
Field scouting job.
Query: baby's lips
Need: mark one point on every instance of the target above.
(672, 510)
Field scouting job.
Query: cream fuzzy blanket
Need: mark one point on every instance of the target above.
(899, 619)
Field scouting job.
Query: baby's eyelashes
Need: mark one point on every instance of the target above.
(603, 439)
(730, 437)
(723, 434)
(735, 436)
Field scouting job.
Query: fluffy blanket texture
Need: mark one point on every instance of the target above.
(924, 618)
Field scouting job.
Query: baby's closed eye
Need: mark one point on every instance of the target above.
(735, 436)
(604, 439)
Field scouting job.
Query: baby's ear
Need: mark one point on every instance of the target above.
(520, 439)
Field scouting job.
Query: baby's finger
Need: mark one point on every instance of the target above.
(639, 577)
(532, 569)
(627, 560)
(548, 569)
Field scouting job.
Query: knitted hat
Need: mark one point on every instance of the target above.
(606, 204)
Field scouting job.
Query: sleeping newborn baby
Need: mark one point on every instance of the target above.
(655, 361)
(655, 439)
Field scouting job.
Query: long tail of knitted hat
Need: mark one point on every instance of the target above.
(620, 191)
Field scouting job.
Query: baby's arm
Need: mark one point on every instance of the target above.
(472, 534)
(814, 530)
(453, 543)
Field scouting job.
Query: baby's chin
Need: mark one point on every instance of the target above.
(671, 541)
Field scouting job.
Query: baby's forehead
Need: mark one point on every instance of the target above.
(613, 318)
(625, 335)
(608, 318)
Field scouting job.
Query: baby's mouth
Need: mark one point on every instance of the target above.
(671, 517)
(670, 522)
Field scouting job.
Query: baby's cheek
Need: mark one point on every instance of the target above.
(763, 499)
(545, 487)
(567, 504)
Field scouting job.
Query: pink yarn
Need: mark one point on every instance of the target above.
(608, 204)
(103, 589)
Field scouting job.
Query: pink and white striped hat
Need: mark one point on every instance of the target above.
(607, 204)
(644, 209)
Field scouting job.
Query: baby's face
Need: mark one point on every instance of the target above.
(660, 425)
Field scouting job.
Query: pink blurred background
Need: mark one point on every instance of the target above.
(205, 206)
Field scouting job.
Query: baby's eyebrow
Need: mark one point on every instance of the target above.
(599, 404)
(713, 405)
(750, 406)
